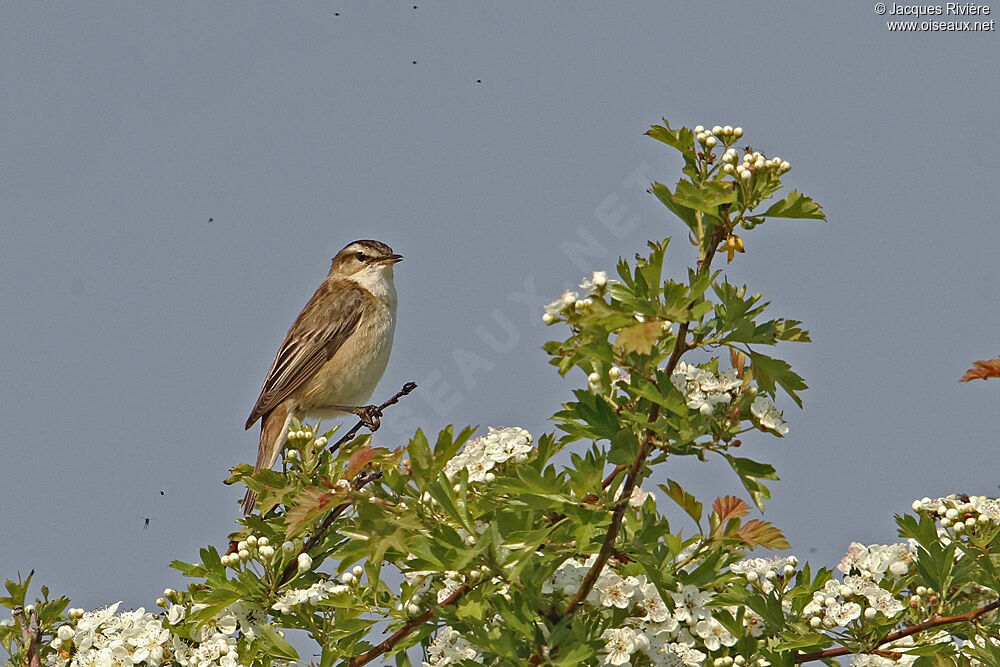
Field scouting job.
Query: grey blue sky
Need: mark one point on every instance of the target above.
(136, 333)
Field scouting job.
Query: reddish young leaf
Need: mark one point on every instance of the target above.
(982, 370)
(729, 507)
(757, 533)
(310, 504)
(358, 460)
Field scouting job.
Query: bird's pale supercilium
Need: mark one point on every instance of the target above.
(334, 353)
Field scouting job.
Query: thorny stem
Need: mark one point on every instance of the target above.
(933, 622)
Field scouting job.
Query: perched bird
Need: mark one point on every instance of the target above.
(334, 353)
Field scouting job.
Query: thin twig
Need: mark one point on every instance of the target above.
(611, 476)
(30, 634)
(933, 622)
(410, 625)
(407, 388)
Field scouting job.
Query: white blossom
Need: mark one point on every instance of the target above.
(620, 646)
(449, 648)
(499, 445)
(770, 417)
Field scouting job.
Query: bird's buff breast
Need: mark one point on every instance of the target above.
(350, 376)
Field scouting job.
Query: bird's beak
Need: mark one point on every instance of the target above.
(388, 259)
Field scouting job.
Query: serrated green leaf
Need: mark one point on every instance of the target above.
(768, 372)
(706, 198)
(275, 645)
(795, 205)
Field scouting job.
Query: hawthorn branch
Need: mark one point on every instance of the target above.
(386, 645)
(31, 635)
(632, 477)
(932, 622)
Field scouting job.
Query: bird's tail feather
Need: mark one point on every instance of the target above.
(273, 433)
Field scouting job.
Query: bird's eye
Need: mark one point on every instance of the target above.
(360, 256)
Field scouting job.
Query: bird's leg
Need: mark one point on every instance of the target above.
(370, 415)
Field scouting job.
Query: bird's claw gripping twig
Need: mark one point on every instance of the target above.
(370, 416)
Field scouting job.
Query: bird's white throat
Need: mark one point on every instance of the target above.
(378, 280)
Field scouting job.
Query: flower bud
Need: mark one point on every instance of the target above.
(266, 551)
(717, 130)
(698, 129)
(548, 318)
(160, 602)
(412, 609)
(288, 546)
(711, 141)
(815, 622)
(737, 132)
(244, 554)
(348, 578)
(357, 571)
(304, 562)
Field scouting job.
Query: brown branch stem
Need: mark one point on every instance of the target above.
(932, 622)
(632, 477)
(386, 645)
(30, 634)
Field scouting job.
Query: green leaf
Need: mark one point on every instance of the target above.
(682, 139)
(663, 193)
(624, 447)
(275, 644)
(640, 337)
(420, 458)
(750, 472)
(768, 371)
(706, 198)
(796, 205)
(687, 502)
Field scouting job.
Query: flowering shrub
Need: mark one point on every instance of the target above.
(487, 550)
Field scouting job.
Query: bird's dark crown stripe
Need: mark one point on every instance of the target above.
(375, 247)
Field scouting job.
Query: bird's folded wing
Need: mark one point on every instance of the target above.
(329, 319)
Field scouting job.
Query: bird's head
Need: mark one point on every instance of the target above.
(364, 259)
